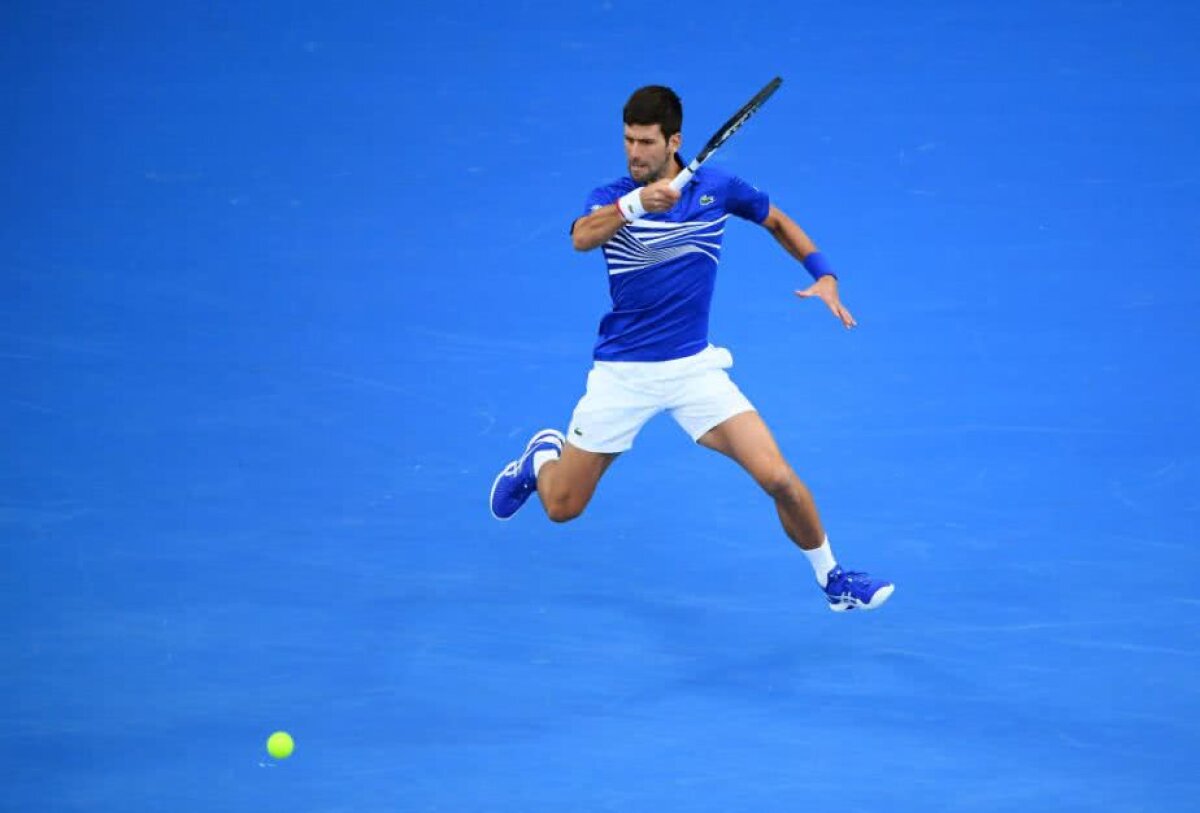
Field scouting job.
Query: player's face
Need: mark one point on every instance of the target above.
(648, 152)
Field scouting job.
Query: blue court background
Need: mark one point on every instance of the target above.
(285, 285)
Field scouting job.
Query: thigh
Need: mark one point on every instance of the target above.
(584, 468)
(746, 439)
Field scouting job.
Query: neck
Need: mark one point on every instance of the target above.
(674, 165)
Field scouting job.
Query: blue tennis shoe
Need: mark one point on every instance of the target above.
(516, 482)
(851, 590)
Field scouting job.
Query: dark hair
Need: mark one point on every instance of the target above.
(655, 104)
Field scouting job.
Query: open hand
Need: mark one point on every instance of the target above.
(826, 290)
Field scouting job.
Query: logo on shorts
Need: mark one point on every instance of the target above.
(578, 431)
(706, 199)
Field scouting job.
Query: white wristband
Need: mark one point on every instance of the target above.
(630, 206)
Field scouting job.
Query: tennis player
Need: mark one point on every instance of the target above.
(653, 354)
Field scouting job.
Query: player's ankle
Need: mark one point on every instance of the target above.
(822, 561)
(543, 457)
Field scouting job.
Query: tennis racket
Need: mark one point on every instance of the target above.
(727, 129)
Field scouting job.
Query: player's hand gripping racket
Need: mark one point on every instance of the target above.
(727, 129)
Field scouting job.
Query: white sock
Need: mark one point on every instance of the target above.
(822, 561)
(542, 458)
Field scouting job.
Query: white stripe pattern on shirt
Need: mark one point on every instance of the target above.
(646, 243)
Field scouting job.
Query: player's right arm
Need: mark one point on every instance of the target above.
(597, 228)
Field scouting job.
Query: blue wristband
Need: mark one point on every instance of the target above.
(818, 266)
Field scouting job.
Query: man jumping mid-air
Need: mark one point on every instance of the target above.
(662, 247)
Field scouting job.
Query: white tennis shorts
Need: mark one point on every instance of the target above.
(622, 395)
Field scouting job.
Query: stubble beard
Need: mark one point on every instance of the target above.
(654, 174)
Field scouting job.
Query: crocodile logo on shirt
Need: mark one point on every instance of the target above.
(706, 199)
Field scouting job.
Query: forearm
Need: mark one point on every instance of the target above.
(789, 234)
(597, 228)
(800, 246)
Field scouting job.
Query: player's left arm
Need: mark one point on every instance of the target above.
(789, 235)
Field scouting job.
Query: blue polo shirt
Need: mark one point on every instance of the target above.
(662, 267)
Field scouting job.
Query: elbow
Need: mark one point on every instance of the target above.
(580, 243)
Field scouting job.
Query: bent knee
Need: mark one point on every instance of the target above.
(564, 510)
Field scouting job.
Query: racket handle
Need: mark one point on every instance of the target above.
(685, 175)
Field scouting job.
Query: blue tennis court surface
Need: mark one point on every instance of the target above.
(285, 284)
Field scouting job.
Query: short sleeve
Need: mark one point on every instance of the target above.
(746, 201)
(600, 197)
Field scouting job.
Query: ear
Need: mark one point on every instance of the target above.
(674, 142)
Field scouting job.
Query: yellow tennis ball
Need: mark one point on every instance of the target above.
(280, 745)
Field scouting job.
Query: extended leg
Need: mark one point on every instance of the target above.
(746, 439)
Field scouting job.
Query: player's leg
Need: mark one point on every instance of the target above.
(604, 424)
(566, 484)
(746, 439)
(715, 413)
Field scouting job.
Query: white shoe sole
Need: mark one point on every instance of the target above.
(878, 600)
